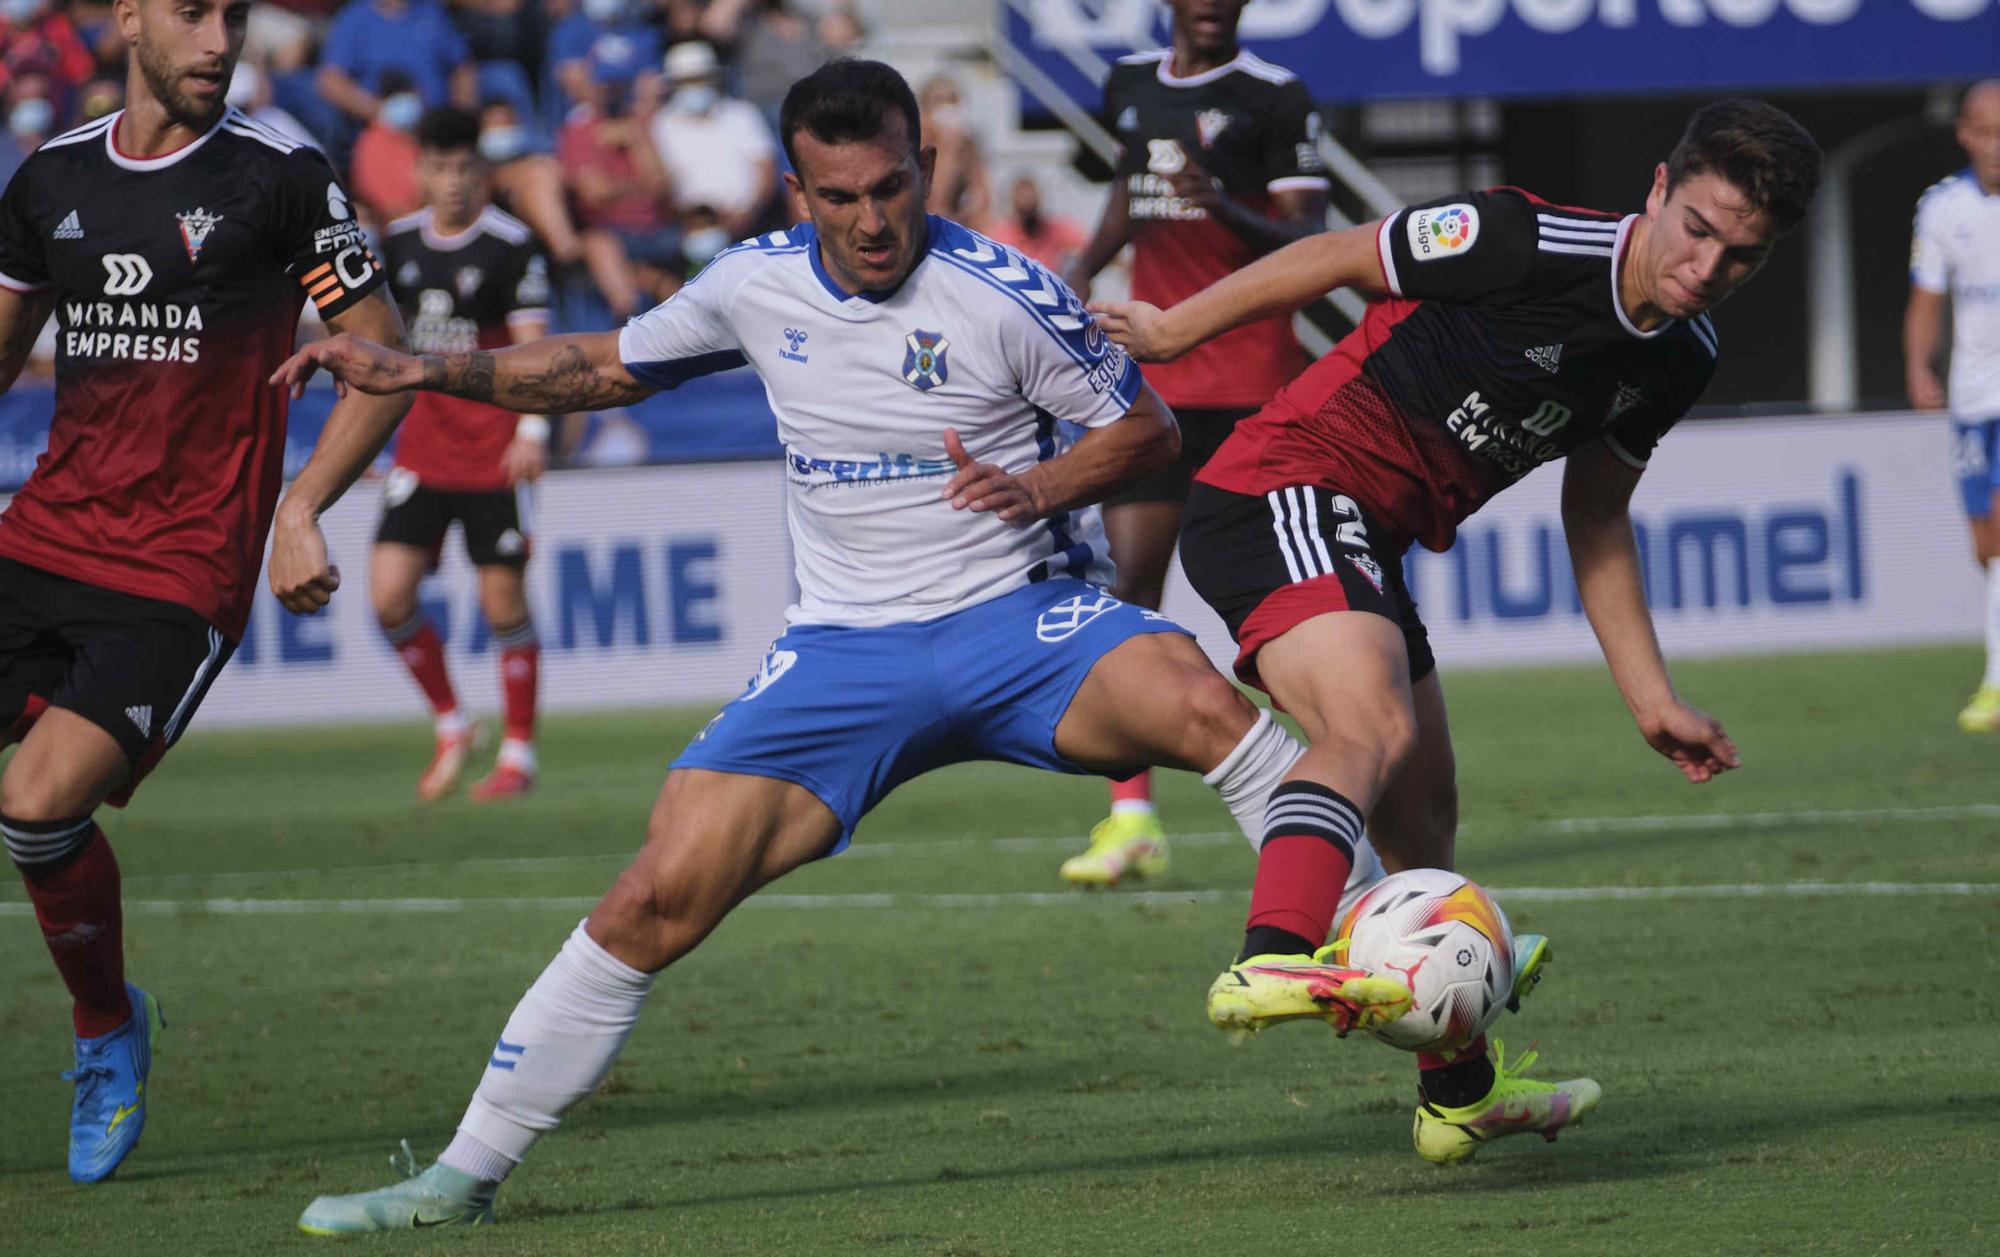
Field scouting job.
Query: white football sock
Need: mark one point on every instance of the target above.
(557, 1047)
(1993, 622)
(1247, 775)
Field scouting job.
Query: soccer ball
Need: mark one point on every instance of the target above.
(1447, 940)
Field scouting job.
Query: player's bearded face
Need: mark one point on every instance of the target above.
(866, 200)
(1705, 241)
(186, 52)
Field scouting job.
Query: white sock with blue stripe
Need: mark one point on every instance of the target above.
(560, 1043)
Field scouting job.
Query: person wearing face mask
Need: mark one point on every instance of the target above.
(960, 187)
(602, 49)
(30, 120)
(414, 39)
(717, 149)
(385, 153)
(527, 179)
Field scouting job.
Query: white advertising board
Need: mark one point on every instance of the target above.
(1758, 535)
(660, 585)
(649, 585)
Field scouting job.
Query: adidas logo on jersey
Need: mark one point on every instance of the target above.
(141, 717)
(1548, 358)
(69, 228)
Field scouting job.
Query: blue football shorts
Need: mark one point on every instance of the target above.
(1973, 463)
(852, 713)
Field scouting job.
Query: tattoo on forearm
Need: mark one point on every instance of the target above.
(461, 375)
(569, 382)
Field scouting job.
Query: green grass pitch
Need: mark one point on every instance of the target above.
(1031, 1074)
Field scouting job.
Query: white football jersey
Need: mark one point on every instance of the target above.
(977, 339)
(1957, 251)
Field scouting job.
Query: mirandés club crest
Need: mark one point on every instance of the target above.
(195, 226)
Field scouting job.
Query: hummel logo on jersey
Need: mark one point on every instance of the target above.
(126, 274)
(69, 228)
(141, 717)
(1208, 124)
(1548, 358)
(195, 226)
(795, 337)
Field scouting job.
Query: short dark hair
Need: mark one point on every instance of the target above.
(447, 128)
(845, 101)
(1759, 149)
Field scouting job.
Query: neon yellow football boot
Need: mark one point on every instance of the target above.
(1982, 713)
(1515, 1106)
(1265, 990)
(1122, 843)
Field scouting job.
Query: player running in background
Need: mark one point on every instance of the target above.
(467, 277)
(945, 553)
(1955, 260)
(1511, 332)
(1218, 164)
(176, 241)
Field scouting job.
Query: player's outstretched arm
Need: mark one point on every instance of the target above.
(1277, 283)
(360, 425)
(1143, 440)
(21, 317)
(1597, 493)
(554, 374)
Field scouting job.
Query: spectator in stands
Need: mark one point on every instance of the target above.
(527, 180)
(718, 150)
(31, 119)
(771, 46)
(605, 48)
(250, 91)
(372, 39)
(623, 201)
(1050, 239)
(959, 188)
(383, 171)
(36, 37)
(283, 34)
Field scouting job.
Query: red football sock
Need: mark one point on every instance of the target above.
(1135, 789)
(1303, 865)
(77, 906)
(423, 654)
(520, 671)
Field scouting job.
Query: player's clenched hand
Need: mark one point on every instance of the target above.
(988, 487)
(524, 460)
(353, 363)
(1140, 326)
(1692, 739)
(1197, 187)
(301, 576)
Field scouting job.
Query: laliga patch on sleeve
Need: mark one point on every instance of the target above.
(1442, 231)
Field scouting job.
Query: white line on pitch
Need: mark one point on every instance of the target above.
(865, 849)
(1026, 899)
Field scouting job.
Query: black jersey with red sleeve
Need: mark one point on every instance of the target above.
(177, 283)
(1502, 344)
(462, 291)
(1249, 124)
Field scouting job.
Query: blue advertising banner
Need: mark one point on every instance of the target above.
(1349, 50)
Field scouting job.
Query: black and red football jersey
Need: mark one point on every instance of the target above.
(1503, 344)
(178, 282)
(459, 292)
(1251, 125)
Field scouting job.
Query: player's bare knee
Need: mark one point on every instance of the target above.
(1215, 714)
(35, 798)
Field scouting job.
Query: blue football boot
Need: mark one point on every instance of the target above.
(110, 1076)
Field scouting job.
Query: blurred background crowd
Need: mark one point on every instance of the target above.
(637, 137)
